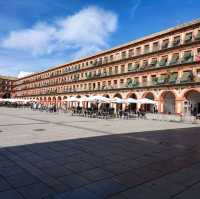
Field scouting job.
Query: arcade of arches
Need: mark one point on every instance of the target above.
(185, 101)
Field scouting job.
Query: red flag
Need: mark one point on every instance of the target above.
(197, 58)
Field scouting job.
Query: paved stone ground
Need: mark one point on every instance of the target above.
(57, 156)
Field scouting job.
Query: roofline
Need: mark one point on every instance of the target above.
(8, 77)
(118, 47)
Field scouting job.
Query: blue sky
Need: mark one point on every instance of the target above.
(37, 34)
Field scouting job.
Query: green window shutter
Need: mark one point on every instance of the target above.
(197, 36)
(186, 77)
(174, 60)
(154, 62)
(173, 77)
(130, 68)
(188, 38)
(161, 79)
(188, 57)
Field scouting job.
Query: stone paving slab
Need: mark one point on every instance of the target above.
(57, 156)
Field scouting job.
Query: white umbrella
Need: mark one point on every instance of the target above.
(72, 99)
(131, 101)
(84, 99)
(146, 101)
(99, 99)
(118, 100)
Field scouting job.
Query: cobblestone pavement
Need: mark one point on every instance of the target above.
(57, 156)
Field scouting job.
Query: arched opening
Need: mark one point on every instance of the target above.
(54, 100)
(118, 106)
(148, 107)
(41, 101)
(59, 100)
(192, 102)
(169, 102)
(6, 95)
(49, 100)
(105, 106)
(132, 107)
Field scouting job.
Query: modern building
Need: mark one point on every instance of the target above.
(164, 67)
(6, 86)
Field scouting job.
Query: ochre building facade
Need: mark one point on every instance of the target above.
(6, 86)
(164, 67)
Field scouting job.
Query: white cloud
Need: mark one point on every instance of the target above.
(23, 74)
(84, 32)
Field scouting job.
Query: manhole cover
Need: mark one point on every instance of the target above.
(39, 129)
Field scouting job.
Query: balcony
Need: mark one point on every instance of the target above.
(174, 60)
(188, 39)
(153, 63)
(163, 62)
(173, 78)
(187, 58)
(165, 45)
(197, 38)
(162, 79)
(176, 42)
(186, 77)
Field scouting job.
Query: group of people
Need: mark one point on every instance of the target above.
(49, 108)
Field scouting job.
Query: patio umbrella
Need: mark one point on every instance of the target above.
(84, 99)
(99, 99)
(72, 99)
(131, 101)
(146, 101)
(117, 100)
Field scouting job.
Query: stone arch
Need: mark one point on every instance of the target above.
(191, 104)
(132, 107)
(117, 95)
(149, 95)
(118, 107)
(106, 95)
(132, 95)
(148, 107)
(168, 102)
(54, 100)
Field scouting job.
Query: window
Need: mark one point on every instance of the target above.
(155, 46)
(130, 67)
(187, 76)
(122, 68)
(116, 69)
(198, 73)
(144, 80)
(165, 43)
(153, 79)
(111, 57)
(163, 61)
(197, 38)
(175, 59)
(162, 79)
(153, 62)
(188, 37)
(187, 57)
(146, 49)
(124, 55)
(105, 60)
(173, 77)
(177, 41)
(110, 71)
(144, 64)
(138, 50)
(131, 53)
